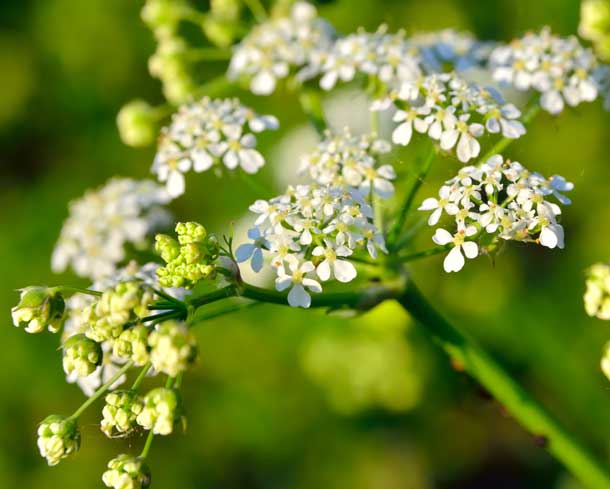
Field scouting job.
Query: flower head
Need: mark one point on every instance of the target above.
(132, 344)
(127, 472)
(81, 355)
(120, 412)
(39, 308)
(58, 437)
(172, 348)
(597, 295)
(160, 412)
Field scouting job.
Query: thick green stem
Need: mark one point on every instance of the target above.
(102, 390)
(311, 103)
(506, 390)
(141, 376)
(396, 228)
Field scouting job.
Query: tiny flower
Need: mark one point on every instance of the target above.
(503, 119)
(127, 472)
(58, 437)
(444, 203)
(132, 344)
(252, 251)
(343, 270)
(240, 152)
(120, 412)
(465, 135)
(298, 296)
(39, 308)
(454, 261)
(161, 411)
(81, 355)
(408, 121)
(172, 348)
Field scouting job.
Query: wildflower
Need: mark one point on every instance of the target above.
(467, 145)
(205, 133)
(120, 412)
(298, 281)
(454, 261)
(81, 355)
(127, 472)
(343, 270)
(93, 238)
(252, 251)
(444, 203)
(190, 258)
(172, 348)
(274, 49)
(58, 437)
(132, 344)
(39, 308)
(597, 296)
(160, 412)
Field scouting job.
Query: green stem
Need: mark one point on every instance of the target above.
(214, 87)
(147, 445)
(424, 253)
(257, 188)
(503, 143)
(408, 202)
(514, 398)
(207, 53)
(311, 103)
(257, 9)
(231, 308)
(78, 290)
(228, 291)
(141, 376)
(102, 390)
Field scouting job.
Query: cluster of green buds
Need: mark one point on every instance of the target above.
(120, 412)
(597, 295)
(161, 411)
(58, 437)
(81, 355)
(221, 24)
(137, 122)
(132, 344)
(125, 302)
(39, 308)
(188, 259)
(127, 472)
(173, 348)
(595, 25)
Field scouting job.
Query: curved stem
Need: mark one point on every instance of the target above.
(506, 390)
(147, 445)
(141, 376)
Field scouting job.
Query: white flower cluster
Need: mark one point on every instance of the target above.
(344, 159)
(597, 296)
(310, 232)
(207, 132)
(451, 50)
(273, 48)
(58, 437)
(93, 238)
(500, 198)
(126, 472)
(386, 56)
(559, 68)
(452, 111)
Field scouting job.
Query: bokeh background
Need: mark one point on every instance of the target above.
(285, 398)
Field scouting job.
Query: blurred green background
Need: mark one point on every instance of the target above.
(285, 398)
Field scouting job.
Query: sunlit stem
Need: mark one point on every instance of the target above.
(141, 376)
(403, 213)
(147, 445)
(102, 390)
(257, 9)
(77, 290)
(311, 104)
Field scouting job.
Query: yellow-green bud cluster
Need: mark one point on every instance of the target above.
(595, 25)
(127, 472)
(58, 437)
(173, 348)
(120, 412)
(163, 16)
(221, 25)
(161, 411)
(39, 308)
(81, 355)
(125, 302)
(190, 258)
(169, 64)
(137, 123)
(597, 295)
(132, 344)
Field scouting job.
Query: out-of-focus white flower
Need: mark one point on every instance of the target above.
(93, 238)
(504, 200)
(205, 133)
(274, 49)
(560, 69)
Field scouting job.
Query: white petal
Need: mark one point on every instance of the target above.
(454, 261)
(298, 297)
(442, 237)
(244, 252)
(263, 83)
(202, 160)
(323, 270)
(471, 249)
(402, 134)
(175, 183)
(344, 271)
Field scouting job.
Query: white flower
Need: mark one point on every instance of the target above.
(252, 251)
(454, 261)
(298, 296)
(439, 205)
(204, 133)
(465, 135)
(409, 120)
(502, 120)
(93, 238)
(343, 270)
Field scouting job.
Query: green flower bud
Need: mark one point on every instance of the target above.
(58, 437)
(161, 411)
(190, 232)
(127, 472)
(39, 308)
(594, 19)
(120, 412)
(137, 123)
(220, 31)
(167, 247)
(81, 355)
(163, 14)
(173, 348)
(597, 295)
(132, 344)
